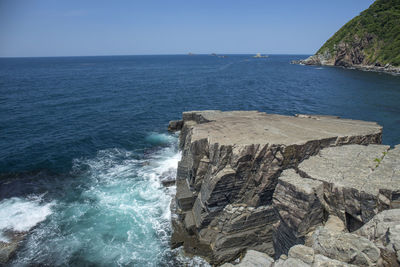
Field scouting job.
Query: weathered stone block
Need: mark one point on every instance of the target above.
(298, 202)
(184, 196)
(346, 247)
(359, 181)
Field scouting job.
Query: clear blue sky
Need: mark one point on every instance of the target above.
(122, 27)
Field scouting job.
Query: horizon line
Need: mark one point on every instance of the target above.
(181, 54)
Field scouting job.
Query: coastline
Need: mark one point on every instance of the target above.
(317, 60)
(292, 185)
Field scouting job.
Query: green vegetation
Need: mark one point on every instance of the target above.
(379, 160)
(377, 29)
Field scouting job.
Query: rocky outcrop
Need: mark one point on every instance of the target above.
(353, 183)
(370, 41)
(344, 54)
(342, 59)
(229, 172)
(375, 244)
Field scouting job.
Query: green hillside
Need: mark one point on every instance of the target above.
(373, 37)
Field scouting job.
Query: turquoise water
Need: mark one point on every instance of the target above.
(84, 146)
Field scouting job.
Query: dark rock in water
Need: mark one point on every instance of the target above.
(168, 183)
(175, 125)
(231, 164)
(168, 178)
(7, 249)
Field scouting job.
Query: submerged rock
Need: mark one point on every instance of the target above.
(7, 249)
(175, 125)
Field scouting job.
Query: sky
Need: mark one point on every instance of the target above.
(132, 27)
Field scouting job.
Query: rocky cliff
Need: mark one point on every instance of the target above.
(370, 41)
(375, 244)
(254, 181)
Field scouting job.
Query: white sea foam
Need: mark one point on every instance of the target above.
(22, 214)
(117, 214)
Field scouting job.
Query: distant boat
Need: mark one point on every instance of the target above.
(260, 56)
(190, 54)
(213, 54)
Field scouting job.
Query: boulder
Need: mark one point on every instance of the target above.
(384, 231)
(303, 253)
(346, 247)
(334, 223)
(323, 261)
(291, 262)
(253, 258)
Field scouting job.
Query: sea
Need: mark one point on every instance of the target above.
(84, 143)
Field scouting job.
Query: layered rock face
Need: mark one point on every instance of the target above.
(345, 54)
(230, 169)
(347, 57)
(353, 183)
(377, 243)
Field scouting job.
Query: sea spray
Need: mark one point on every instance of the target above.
(115, 213)
(22, 214)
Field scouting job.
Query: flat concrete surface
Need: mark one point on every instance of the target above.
(253, 127)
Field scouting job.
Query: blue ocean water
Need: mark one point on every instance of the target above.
(83, 142)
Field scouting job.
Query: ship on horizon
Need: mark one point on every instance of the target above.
(260, 56)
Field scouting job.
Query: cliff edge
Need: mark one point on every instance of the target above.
(370, 41)
(249, 180)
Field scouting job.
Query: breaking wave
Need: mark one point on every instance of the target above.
(115, 212)
(22, 214)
